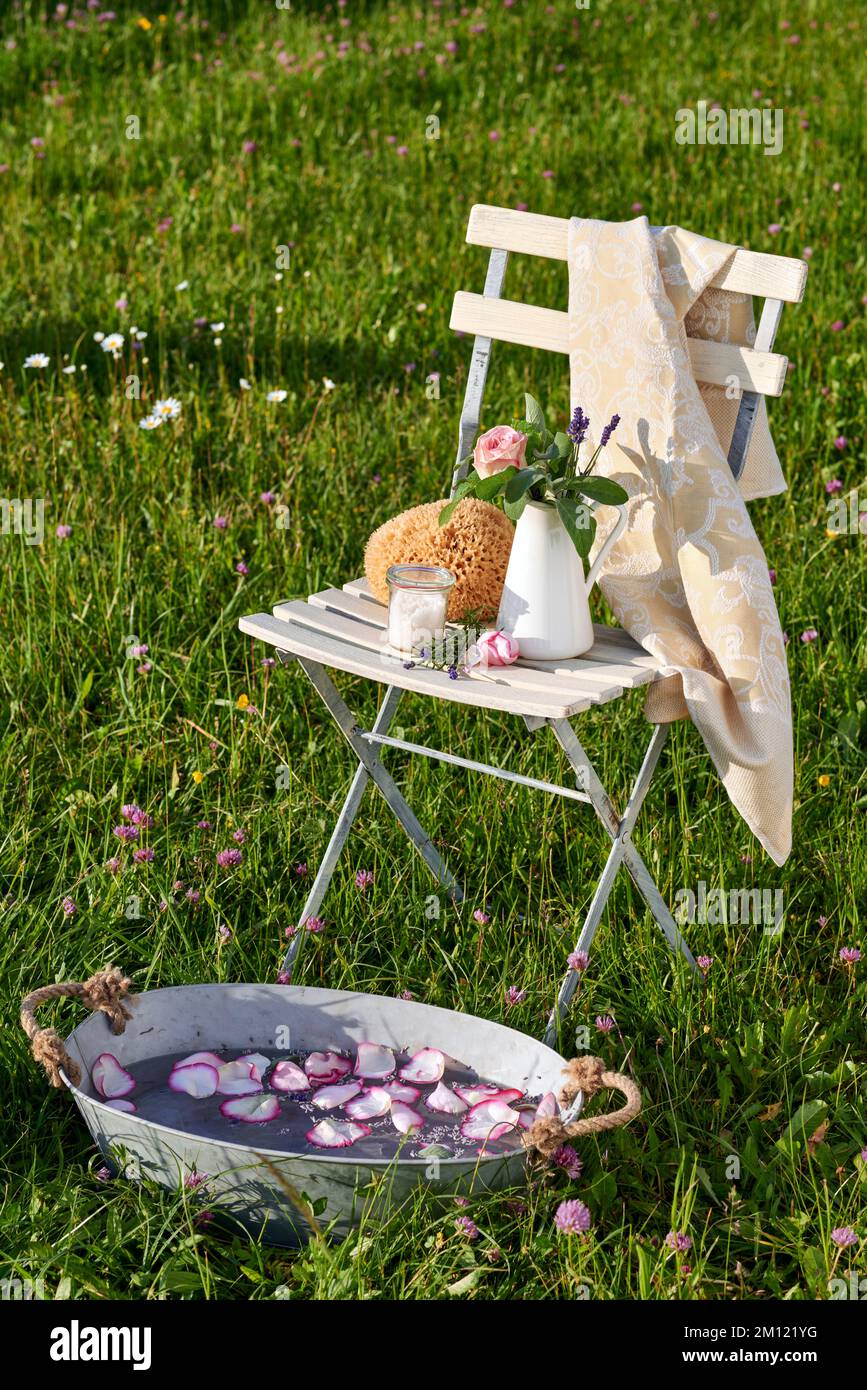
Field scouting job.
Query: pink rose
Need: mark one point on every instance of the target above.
(495, 648)
(497, 449)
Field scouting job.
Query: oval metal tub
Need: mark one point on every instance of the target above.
(254, 1186)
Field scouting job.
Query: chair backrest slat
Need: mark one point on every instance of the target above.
(528, 325)
(750, 272)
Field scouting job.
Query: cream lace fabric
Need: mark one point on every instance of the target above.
(688, 578)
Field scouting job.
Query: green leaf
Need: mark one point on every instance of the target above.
(579, 523)
(513, 510)
(802, 1124)
(603, 490)
(465, 1285)
(463, 489)
(534, 412)
(522, 481)
(564, 443)
(486, 488)
(645, 1272)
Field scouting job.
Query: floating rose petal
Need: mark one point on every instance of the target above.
(404, 1118)
(374, 1103)
(329, 1097)
(444, 1101)
(200, 1080)
(490, 1120)
(252, 1110)
(237, 1079)
(374, 1062)
(474, 1095)
(398, 1091)
(325, 1067)
(287, 1077)
(336, 1134)
(547, 1108)
(426, 1066)
(109, 1077)
(256, 1060)
(127, 1106)
(209, 1058)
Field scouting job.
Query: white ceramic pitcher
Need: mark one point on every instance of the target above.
(545, 598)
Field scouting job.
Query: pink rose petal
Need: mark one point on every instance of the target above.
(473, 1095)
(398, 1091)
(329, 1097)
(257, 1061)
(426, 1066)
(374, 1062)
(209, 1058)
(325, 1067)
(444, 1101)
(287, 1077)
(199, 1080)
(375, 1102)
(336, 1134)
(252, 1110)
(404, 1118)
(109, 1077)
(490, 1120)
(237, 1079)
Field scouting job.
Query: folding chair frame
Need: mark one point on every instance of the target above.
(588, 788)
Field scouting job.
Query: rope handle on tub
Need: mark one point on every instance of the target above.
(585, 1074)
(103, 992)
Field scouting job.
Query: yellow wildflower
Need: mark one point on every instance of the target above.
(197, 776)
(243, 701)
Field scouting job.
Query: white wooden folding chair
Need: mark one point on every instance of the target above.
(343, 628)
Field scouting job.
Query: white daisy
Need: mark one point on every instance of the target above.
(244, 384)
(67, 371)
(98, 337)
(278, 275)
(217, 327)
(328, 383)
(150, 422)
(139, 334)
(218, 342)
(279, 309)
(112, 343)
(169, 409)
(36, 359)
(184, 285)
(276, 395)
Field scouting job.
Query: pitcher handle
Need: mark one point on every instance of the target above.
(609, 541)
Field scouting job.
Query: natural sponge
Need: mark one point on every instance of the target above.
(474, 545)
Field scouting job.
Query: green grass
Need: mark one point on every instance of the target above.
(375, 235)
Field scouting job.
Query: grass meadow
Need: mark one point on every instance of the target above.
(273, 171)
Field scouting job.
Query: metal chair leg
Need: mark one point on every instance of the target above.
(374, 769)
(340, 833)
(622, 851)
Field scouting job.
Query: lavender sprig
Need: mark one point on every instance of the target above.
(609, 430)
(578, 427)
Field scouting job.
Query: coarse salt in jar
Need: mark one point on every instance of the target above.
(418, 600)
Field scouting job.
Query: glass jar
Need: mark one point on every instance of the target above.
(418, 600)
